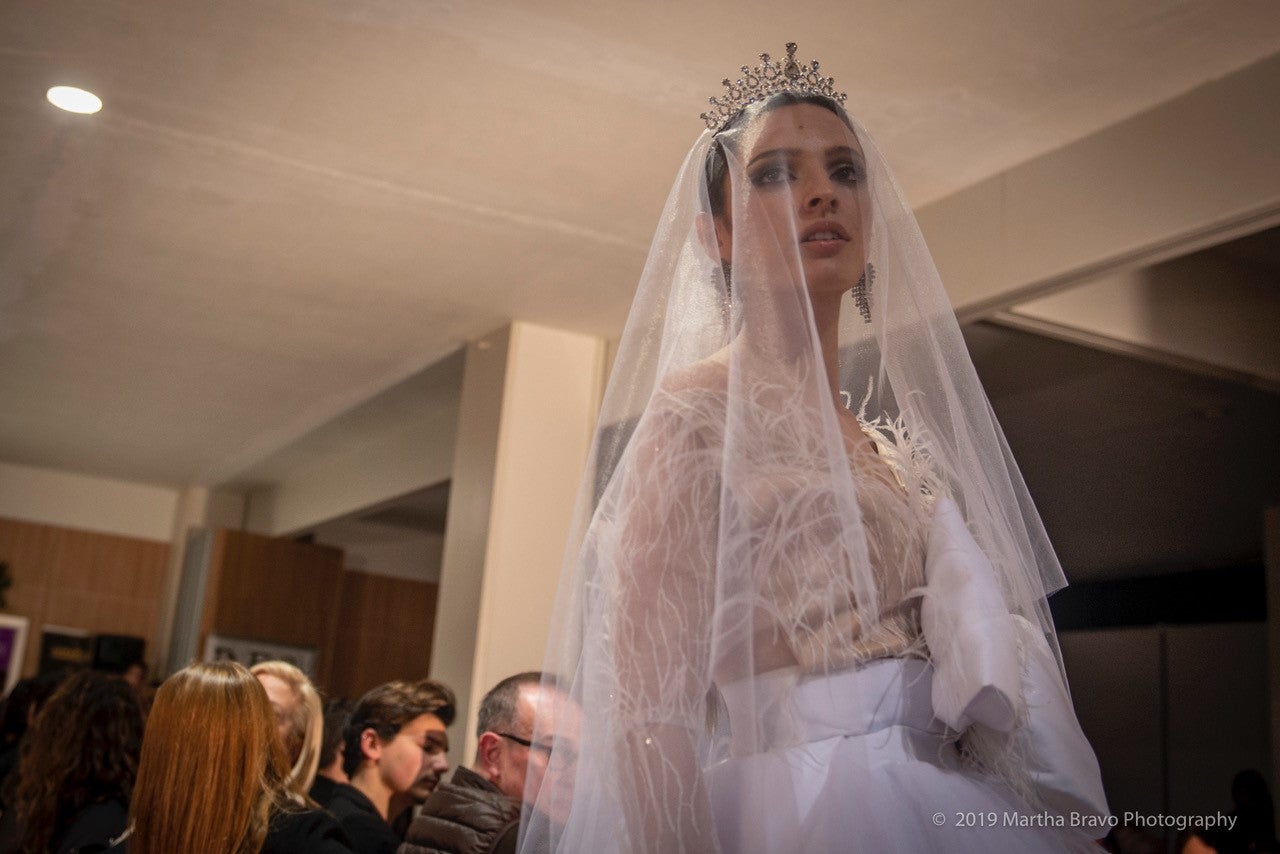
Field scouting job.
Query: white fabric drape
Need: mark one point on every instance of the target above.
(747, 543)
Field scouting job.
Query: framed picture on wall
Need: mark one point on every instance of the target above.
(250, 652)
(13, 645)
(65, 648)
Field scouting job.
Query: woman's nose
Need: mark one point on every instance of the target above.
(820, 195)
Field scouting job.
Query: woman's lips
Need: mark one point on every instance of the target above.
(823, 230)
(823, 240)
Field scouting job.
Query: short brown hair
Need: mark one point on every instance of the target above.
(386, 710)
(439, 699)
(498, 708)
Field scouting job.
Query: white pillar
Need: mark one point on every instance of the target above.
(530, 396)
(197, 507)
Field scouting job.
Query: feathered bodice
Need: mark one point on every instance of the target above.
(778, 534)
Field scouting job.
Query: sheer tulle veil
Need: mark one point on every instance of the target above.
(748, 521)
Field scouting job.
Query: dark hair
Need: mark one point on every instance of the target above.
(498, 708)
(716, 165)
(82, 749)
(1254, 811)
(385, 710)
(439, 699)
(336, 715)
(24, 703)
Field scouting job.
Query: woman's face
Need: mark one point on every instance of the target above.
(804, 175)
(284, 704)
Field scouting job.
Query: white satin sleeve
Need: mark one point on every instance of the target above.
(996, 669)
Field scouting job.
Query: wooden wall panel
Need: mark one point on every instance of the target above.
(273, 589)
(104, 583)
(384, 634)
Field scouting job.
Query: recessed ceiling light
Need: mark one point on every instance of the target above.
(74, 100)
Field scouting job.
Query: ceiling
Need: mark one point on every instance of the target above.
(291, 215)
(287, 206)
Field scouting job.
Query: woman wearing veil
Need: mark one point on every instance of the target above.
(806, 607)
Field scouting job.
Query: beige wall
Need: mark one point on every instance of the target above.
(466, 535)
(1191, 173)
(529, 403)
(1203, 309)
(87, 503)
(389, 460)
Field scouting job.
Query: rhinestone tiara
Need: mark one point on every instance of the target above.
(769, 78)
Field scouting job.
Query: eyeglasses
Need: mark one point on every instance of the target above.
(526, 742)
(565, 754)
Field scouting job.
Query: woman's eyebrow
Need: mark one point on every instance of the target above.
(845, 151)
(774, 152)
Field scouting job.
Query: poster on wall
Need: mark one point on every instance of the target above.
(13, 644)
(63, 648)
(250, 652)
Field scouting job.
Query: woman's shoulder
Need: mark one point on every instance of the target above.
(704, 377)
(94, 827)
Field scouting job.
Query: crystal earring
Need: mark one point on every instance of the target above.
(862, 292)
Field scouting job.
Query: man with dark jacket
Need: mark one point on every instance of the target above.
(479, 809)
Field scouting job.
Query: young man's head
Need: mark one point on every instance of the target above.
(437, 699)
(391, 739)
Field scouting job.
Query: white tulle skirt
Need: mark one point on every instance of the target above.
(870, 771)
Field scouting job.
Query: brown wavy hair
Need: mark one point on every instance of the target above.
(81, 750)
(213, 770)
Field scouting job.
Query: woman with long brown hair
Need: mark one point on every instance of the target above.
(213, 774)
(77, 766)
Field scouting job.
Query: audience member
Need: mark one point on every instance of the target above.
(135, 674)
(439, 700)
(479, 809)
(77, 768)
(20, 710)
(390, 739)
(1255, 826)
(213, 773)
(330, 773)
(299, 721)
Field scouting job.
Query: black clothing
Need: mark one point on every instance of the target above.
(365, 827)
(322, 790)
(305, 832)
(300, 832)
(94, 827)
(89, 830)
(467, 815)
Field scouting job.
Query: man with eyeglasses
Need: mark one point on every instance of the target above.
(392, 740)
(479, 809)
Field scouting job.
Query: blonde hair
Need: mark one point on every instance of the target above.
(307, 734)
(212, 769)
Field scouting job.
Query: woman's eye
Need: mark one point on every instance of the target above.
(848, 174)
(770, 175)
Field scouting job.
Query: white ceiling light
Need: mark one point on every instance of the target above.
(74, 100)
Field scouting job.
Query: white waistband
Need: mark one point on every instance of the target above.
(782, 708)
